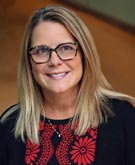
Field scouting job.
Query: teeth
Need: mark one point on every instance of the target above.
(59, 75)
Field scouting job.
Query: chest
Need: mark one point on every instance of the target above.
(67, 149)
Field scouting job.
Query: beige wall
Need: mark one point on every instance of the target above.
(116, 48)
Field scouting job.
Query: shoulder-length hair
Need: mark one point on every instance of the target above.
(91, 102)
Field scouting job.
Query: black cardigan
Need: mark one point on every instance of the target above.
(115, 141)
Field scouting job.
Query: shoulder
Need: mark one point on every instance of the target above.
(9, 116)
(117, 134)
(122, 109)
(121, 106)
(9, 145)
(123, 118)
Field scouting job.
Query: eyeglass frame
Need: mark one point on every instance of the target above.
(54, 50)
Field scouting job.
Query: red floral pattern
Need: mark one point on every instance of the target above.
(63, 147)
(83, 151)
(67, 150)
(31, 152)
(36, 154)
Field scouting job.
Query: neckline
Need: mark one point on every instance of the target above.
(54, 121)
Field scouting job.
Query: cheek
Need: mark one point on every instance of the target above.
(79, 65)
(38, 75)
(36, 70)
(80, 72)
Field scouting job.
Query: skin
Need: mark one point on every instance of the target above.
(58, 79)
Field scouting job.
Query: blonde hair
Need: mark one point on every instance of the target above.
(94, 92)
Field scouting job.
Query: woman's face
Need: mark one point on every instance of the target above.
(56, 76)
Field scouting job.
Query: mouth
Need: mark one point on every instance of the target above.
(57, 75)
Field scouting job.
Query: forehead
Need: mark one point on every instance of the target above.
(51, 32)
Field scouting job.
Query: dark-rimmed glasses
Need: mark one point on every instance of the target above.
(42, 53)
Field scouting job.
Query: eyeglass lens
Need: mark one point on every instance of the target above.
(64, 51)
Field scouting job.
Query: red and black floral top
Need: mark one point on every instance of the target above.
(69, 149)
(113, 143)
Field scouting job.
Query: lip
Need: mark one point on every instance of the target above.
(57, 75)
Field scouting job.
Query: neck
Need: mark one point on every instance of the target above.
(60, 106)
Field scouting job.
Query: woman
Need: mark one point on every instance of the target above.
(67, 113)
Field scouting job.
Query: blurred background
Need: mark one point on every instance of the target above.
(112, 24)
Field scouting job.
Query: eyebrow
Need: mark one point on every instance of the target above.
(54, 47)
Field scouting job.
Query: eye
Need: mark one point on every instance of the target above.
(42, 50)
(66, 47)
(39, 50)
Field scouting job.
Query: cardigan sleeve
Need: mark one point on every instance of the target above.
(125, 112)
(12, 150)
(5, 134)
(3, 146)
(116, 138)
(130, 135)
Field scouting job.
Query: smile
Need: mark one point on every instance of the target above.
(57, 75)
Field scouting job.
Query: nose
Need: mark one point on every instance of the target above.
(54, 59)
